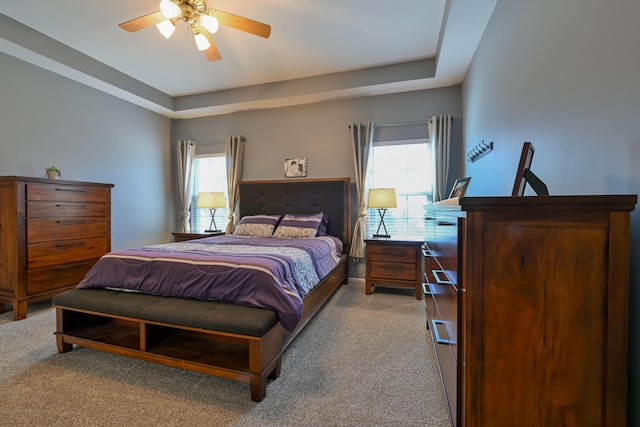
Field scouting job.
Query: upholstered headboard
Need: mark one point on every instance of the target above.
(304, 196)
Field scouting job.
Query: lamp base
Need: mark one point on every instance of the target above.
(386, 236)
(212, 231)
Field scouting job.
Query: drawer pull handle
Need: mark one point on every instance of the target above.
(439, 340)
(68, 245)
(426, 289)
(71, 221)
(71, 266)
(428, 253)
(75, 206)
(439, 280)
(71, 190)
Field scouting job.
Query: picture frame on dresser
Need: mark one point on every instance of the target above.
(524, 174)
(459, 187)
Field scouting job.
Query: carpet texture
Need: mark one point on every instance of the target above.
(362, 361)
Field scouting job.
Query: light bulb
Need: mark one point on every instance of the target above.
(201, 41)
(210, 23)
(166, 28)
(169, 9)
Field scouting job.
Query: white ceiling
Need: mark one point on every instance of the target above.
(330, 48)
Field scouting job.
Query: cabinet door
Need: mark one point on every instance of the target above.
(538, 321)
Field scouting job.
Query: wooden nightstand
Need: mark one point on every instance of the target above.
(394, 262)
(181, 237)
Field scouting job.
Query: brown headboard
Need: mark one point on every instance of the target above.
(305, 196)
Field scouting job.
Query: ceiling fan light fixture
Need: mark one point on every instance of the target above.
(169, 9)
(210, 23)
(201, 41)
(166, 28)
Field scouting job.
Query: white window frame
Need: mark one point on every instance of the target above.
(201, 218)
(398, 221)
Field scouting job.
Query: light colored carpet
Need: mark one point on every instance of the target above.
(362, 361)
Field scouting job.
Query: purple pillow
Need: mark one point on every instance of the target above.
(297, 225)
(257, 225)
(322, 230)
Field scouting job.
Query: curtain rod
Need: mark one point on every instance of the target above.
(219, 141)
(419, 122)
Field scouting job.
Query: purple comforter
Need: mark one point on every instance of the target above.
(267, 272)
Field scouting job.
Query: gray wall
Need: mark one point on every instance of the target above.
(563, 75)
(47, 119)
(320, 132)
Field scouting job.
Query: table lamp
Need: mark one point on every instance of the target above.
(212, 201)
(382, 199)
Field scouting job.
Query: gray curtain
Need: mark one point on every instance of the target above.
(186, 156)
(362, 140)
(439, 128)
(234, 151)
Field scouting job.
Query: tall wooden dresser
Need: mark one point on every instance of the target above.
(527, 305)
(51, 234)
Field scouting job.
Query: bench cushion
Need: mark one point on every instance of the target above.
(204, 314)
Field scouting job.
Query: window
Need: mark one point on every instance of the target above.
(406, 166)
(210, 174)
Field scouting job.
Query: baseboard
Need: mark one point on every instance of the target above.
(356, 281)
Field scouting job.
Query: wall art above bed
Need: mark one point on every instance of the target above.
(295, 168)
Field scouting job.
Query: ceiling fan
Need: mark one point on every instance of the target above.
(202, 20)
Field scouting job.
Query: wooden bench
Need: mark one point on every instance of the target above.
(230, 341)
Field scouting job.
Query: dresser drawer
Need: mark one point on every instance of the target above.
(48, 229)
(64, 251)
(393, 270)
(66, 192)
(61, 209)
(446, 301)
(391, 253)
(58, 276)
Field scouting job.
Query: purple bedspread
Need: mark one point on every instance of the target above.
(267, 272)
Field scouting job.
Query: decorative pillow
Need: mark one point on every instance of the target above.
(257, 225)
(324, 224)
(293, 225)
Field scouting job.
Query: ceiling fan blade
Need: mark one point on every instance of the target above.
(212, 52)
(143, 22)
(240, 23)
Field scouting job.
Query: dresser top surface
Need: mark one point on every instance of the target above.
(614, 202)
(49, 181)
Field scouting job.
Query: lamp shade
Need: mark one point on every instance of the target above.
(212, 200)
(382, 198)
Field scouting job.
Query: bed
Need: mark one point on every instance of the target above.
(220, 337)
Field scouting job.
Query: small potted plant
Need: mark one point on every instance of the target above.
(53, 172)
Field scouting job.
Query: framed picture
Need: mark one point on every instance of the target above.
(524, 174)
(459, 187)
(525, 163)
(295, 168)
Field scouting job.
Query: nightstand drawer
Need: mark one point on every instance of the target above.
(391, 253)
(393, 270)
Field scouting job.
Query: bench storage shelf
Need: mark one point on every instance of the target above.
(241, 357)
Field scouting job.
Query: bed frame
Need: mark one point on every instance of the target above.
(224, 340)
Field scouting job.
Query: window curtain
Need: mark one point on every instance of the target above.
(234, 151)
(186, 156)
(362, 140)
(439, 128)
